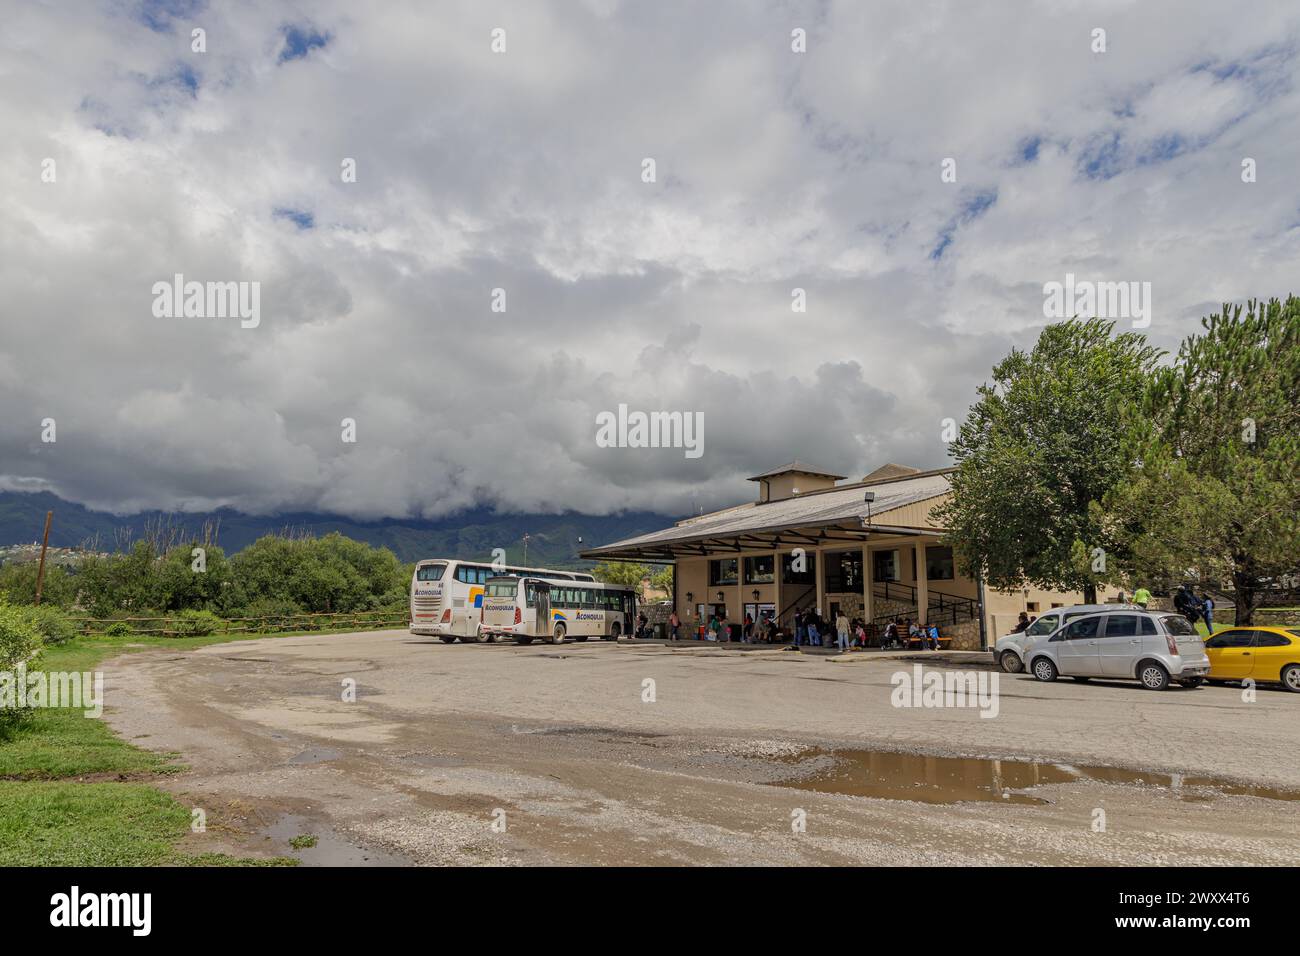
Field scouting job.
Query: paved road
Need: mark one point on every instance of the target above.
(562, 746)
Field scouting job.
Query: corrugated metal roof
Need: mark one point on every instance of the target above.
(821, 509)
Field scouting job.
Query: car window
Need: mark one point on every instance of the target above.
(1122, 625)
(1177, 625)
(1083, 628)
(1148, 627)
(1270, 639)
(1231, 638)
(1044, 625)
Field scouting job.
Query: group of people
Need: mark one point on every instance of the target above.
(811, 629)
(1191, 606)
(900, 626)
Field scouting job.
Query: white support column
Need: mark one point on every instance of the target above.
(922, 583)
(820, 565)
(776, 583)
(868, 597)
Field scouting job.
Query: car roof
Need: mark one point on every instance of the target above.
(1092, 608)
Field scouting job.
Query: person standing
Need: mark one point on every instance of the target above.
(800, 627)
(1021, 624)
(1142, 597)
(814, 628)
(1207, 611)
(842, 632)
(674, 623)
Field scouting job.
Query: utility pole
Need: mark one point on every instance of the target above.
(525, 549)
(40, 572)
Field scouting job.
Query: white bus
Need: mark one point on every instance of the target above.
(447, 594)
(528, 608)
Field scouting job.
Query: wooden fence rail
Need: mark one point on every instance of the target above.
(178, 626)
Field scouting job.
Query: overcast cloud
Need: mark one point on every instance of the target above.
(522, 171)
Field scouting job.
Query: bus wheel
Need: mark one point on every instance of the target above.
(523, 639)
(446, 638)
(615, 630)
(478, 637)
(559, 634)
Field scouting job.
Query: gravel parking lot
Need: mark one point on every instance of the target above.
(641, 753)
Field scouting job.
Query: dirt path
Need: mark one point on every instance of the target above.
(560, 745)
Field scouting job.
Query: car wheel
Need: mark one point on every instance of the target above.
(1152, 675)
(1193, 682)
(1044, 669)
(447, 638)
(1081, 680)
(558, 637)
(1011, 663)
(1291, 678)
(523, 639)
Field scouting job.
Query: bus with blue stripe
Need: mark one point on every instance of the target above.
(447, 595)
(526, 608)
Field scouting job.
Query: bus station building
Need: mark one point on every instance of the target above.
(870, 548)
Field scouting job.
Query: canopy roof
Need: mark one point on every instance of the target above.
(817, 518)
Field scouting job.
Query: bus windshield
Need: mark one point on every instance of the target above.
(430, 572)
(502, 588)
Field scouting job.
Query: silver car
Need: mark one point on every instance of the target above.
(1009, 650)
(1154, 647)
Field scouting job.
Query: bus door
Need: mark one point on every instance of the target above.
(542, 604)
(629, 614)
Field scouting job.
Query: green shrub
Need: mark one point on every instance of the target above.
(53, 625)
(19, 643)
(118, 629)
(197, 623)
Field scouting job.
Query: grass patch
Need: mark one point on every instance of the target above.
(87, 824)
(48, 819)
(303, 842)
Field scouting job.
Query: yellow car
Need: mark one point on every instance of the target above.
(1260, 653)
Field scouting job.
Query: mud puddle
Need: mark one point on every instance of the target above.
(326, 847)
(900, 776)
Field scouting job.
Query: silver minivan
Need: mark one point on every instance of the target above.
(1154, 647)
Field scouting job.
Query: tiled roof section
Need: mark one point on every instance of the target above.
(819, 509)
(802, 468)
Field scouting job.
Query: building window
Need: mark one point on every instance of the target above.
(938, 563)
(884, 565)
(760, 569)
(724, 571)
(805, 572)
(844, 572)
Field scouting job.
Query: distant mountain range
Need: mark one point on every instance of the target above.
(553, 540)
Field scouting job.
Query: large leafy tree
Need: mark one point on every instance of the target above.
(1042, 442)
(1215, 489)
(626, 573)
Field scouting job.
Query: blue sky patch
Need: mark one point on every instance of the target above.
(158, 15)
(299, 217)
(301, 40)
